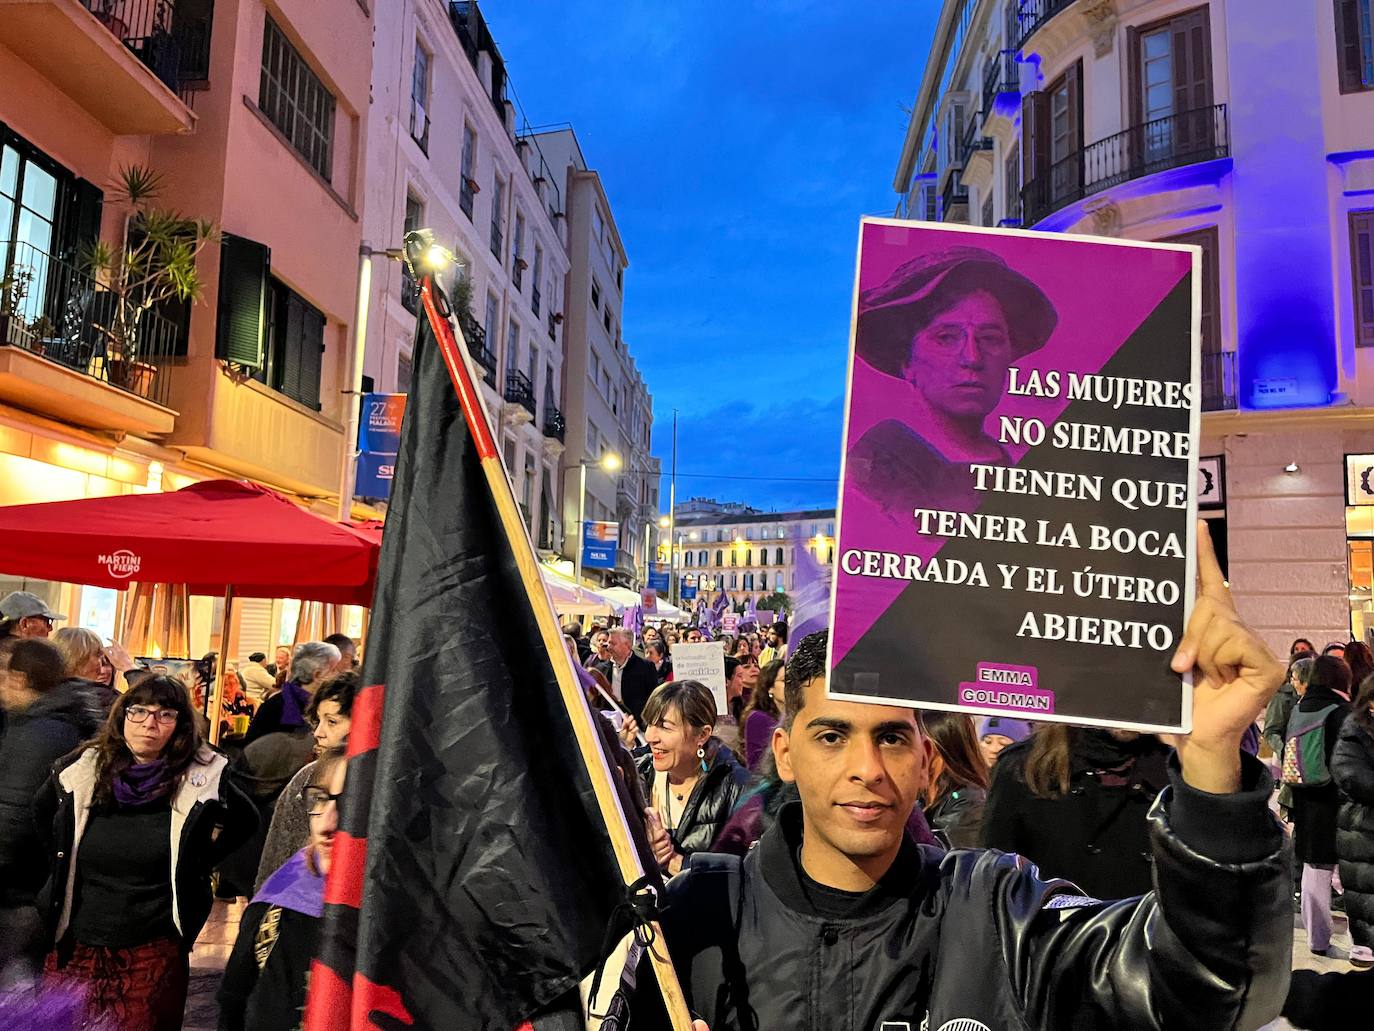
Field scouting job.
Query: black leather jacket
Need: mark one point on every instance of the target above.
(978, 936)
(709, 805)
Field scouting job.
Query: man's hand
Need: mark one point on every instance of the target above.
(1235, 675)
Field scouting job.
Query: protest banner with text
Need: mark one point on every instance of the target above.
(1019, 487)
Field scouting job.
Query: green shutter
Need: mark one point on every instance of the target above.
(242, 328)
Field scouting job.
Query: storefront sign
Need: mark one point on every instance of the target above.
(1019, 487)
(599, 543)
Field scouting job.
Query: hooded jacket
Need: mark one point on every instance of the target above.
(978, 939)
(1352, 767)
(1314, 810)
(210, 818)
(36, 737)
(709, 805)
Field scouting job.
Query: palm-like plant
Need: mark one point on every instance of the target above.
(154, 262)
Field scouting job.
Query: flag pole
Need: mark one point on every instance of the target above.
(569, 688)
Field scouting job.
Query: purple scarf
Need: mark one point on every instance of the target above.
(141, 783)
(294, 700)
(294, 886)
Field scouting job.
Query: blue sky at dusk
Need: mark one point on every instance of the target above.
(739, 143)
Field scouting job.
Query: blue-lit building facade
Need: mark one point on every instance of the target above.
(1245, 127)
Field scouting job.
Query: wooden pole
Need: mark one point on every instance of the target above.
(216, 698)
(570, 689)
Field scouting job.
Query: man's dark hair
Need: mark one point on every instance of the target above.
(731, 664)
(805, 664)
(781, 630)
(1292, 649)
(574, 629)
(341, 641)
(341, 688)
(257, 656)
(1330, 671)
(40, 662)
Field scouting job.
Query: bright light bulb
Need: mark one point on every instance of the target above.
(610, 461)
(437, 258)
(664, 522)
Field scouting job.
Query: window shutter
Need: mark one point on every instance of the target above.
(1192, 46)
(312, 355)
(1073, 80)
(1135, 78)
(1035, 135)
(1362, 256)
(87, 202)
(241, 329)
(1349, 55)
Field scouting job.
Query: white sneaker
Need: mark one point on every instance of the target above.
(1362, 956)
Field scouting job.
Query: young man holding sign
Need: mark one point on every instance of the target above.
(837, 921)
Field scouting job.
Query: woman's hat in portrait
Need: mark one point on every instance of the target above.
(892, 313)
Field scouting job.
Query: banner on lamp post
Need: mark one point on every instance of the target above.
(599, 543)
(379, 435)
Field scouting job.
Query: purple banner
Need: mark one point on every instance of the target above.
(1016, 527)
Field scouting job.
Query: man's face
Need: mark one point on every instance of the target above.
(693, 636)
(773, 639)
(34, 626)
(348, 654)
(858, 768)
(650, 634)
(620, 648)
(959, 361)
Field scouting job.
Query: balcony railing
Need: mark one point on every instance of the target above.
(174, 43)
(50, 308)
(410, 292)
(973, 140)
(555, 425)
(1156, 146)
(1034, 13)
(954, 201)
(1219, 381)
(519, 390)
(476, 338)
(1003, 76)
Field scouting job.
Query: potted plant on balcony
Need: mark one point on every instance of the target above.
(14, 287)
(154, 262)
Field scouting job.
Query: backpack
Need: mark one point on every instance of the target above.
(1304, 748)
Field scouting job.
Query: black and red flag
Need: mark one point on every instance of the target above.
(481, 854)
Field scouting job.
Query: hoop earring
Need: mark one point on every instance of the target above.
(701, 754)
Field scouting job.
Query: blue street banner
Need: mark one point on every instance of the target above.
(379, 435)
(599, 543)
(688, 592)
(658, 579)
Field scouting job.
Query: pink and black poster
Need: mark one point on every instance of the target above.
(1018, 494)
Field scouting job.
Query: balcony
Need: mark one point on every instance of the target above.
(410, 292)
(974, 146)
(1003, 78)
(123, 61)
(954, 201)
(66, 349)
(476, 339)
(1156, 146)
(1035, 13)
(554, 424)
(519, 391)
(1219, 381)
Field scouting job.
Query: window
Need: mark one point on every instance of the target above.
(404, 371)
(593, 441)
(468, 186)
(532, 366)
(720, 557)
(596, 367)
(296, 101)
(498, 205)
(419, 98)
(605, 384)
(606, 319)
(513, 346)
(620, 278)
(701, 558)
(763, 581)
(242, 329)
(734, 580)
(493, 317)
(596, 293)
(295, 346)
(538, 277)
(1171, 85)
(748, 556)
(598, 225)
(778, 560)
(748, 581)
(517, 244)
(527, 485)
(952, 134)
(1011, 185)
(688, 558)
(1052, 134)
(1355, 45)
(749, 533)
(734, 557)
(1362, 259)
(1211, 286)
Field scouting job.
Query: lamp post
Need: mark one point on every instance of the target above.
(433, 258)
(610, 462)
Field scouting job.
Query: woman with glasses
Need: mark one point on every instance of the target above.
(136, 822)
(267, 975)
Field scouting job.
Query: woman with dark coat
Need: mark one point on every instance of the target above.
(1073, 800)
(692, 780)
(1315, 807)
(135, 823)
(1352, 768)
(47, 718)
(956, 793)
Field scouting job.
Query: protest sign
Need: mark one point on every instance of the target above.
(704, 663)
(1017, 522)
(648, 600)
(730, 623)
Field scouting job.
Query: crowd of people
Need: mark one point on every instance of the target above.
(120, 824)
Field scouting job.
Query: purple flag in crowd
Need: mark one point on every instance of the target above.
(751, 615)
(811, 597)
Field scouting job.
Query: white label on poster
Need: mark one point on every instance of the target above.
(703, 662)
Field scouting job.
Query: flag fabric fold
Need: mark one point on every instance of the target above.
(474, 876)
(811, 596)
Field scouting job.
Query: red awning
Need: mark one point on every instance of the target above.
(211, 536)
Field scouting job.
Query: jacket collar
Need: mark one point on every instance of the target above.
(779, 853)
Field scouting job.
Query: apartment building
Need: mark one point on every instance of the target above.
(1246, 128)
(254, 115)
(751, 554)
(609, 408)
(447, 152)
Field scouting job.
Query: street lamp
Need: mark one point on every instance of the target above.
(610, 462)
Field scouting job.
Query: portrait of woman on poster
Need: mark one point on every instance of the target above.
(949, 324)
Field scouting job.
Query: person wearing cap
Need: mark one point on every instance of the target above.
(950, 324)
(996, 732)
(26, 615)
